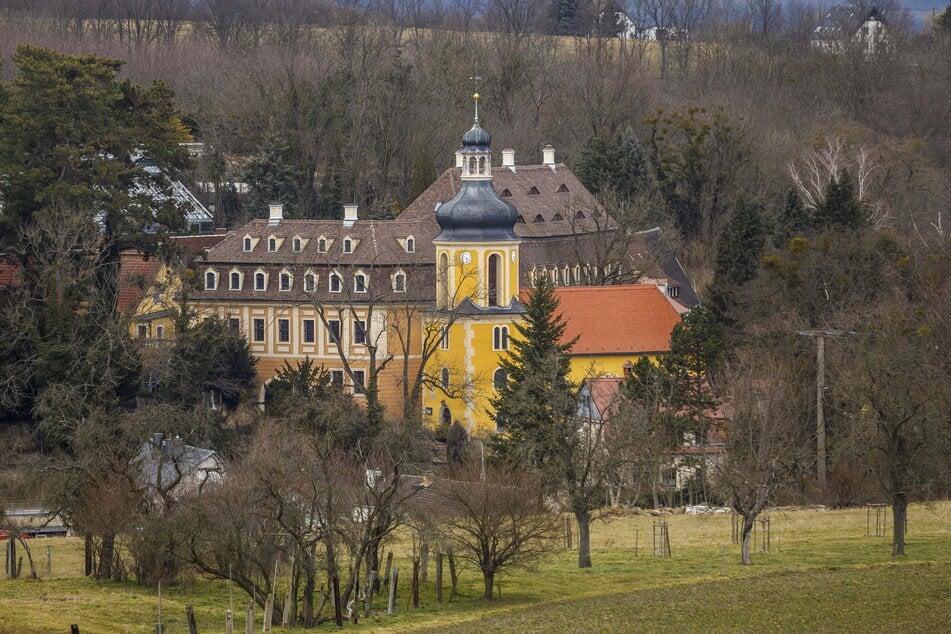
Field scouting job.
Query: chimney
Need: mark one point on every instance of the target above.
(459, 158)
(276, 214)
(548, 156)
(508, 158)
(349, 215)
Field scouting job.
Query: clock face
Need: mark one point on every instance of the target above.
(465, 257)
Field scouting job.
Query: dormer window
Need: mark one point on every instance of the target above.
(347, 245)
(286, 281)
(410, 245)
(399, 282)
(272, 244)
(260, 281)
(310, 283)
(538, 218)
(211, 281)
(321, 244)
(234, 281)
(520, 219)
(247, 243)
(335, 283)
(563, 189)
(557, 218)
(359, 283)
(296, 245)
(506, 193)
(579, 215)
(533, 191)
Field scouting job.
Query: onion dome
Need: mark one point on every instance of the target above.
(476, 213)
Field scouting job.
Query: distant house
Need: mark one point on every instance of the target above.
(849, 25)
(171, 469)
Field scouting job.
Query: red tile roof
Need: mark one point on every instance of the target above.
(136, 274)
(9, 275)
(634, 319)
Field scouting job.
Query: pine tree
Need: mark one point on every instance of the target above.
(618, 165)
(840, 208)
(794, 220)
(532, 406)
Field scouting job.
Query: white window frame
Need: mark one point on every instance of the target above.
(213, 276)
(360, 279)
(231, 285)
(335, 276)
(312, 286)
(285, 275)
(256, 278)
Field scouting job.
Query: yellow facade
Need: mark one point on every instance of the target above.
(154, 315)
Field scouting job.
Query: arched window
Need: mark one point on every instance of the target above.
(247, 243)
(499, 378)
(235, 281)
(310, 283)
(260, 281)
(360, 283)
(210, 281)
(444, 378)
(285, 281)
(494, 279)
(348, 246)
(410, 245)
(500, 338)
(443, 281)
(321, 245)
(445, 416)
(335, 283)
(295, 245)
(272, 244)
(482, 165)
(399, 282)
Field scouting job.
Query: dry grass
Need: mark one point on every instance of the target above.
(821, 566)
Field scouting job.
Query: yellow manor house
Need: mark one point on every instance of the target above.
(424, 305)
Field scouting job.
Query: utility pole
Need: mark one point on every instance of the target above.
(820, 336)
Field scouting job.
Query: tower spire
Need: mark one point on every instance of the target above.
(475, 97)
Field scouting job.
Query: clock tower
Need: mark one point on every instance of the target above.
(477, 258)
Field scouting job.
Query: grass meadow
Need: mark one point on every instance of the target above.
(822, 573)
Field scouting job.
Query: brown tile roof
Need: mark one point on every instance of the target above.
(547, 199)
(197, 245)
(377, 242)
(634, 319)
(137, 272)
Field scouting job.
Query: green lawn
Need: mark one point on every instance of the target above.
(822, 573)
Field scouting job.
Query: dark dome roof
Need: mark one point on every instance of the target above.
(476, 137)
(476, 213)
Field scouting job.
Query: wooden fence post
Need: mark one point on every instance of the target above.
(49, 561)
(229, 622)
(389, 566)
(371, 583)
(73, 629)
(391, 605)
(268, 613)
(416, 583)
(249, 618)
(190, 618)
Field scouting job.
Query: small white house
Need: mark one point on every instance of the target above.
(849, 25)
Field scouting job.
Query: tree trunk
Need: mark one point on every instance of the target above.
(584, 538)
(899, 518)
(107, 550)
(489, 578)
(747, 532)
(309, 586)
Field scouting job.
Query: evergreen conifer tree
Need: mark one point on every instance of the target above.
(533, 405)
(794, 219)
(840, 208)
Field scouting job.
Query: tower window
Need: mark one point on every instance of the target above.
(500, 338)
(444, 378)
(499, 378)
(444, 337)
(494, 279)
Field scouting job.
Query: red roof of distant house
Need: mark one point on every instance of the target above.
(634, 319)
(9, 275)
(195, 245)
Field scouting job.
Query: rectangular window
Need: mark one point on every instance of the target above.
(336, 378)
(234, 323)
(258, 329)
(359, 382)
(308, 331)
(359, 332)
(284, 330)
(143, 331)
(333, 330)
(444, 338)
(160, 332)
(235, 281)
